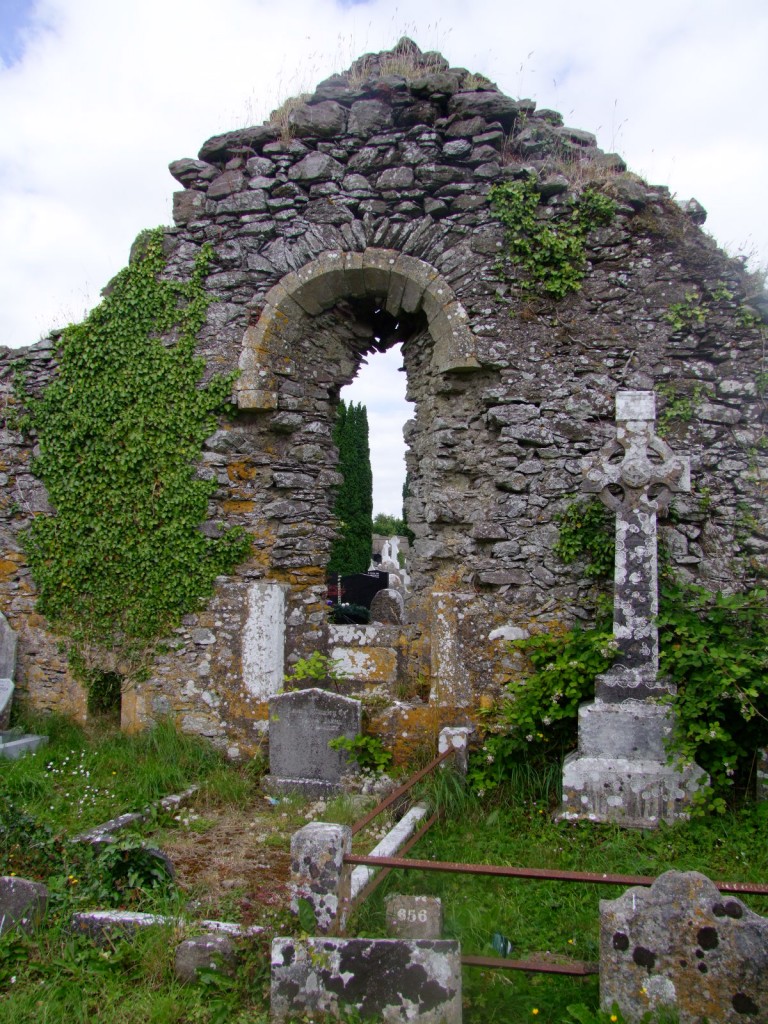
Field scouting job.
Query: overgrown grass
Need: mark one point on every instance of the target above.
(78, 780)
(52, 977)
(554, 920)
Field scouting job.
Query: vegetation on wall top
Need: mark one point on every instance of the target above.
(550, 251)
(120, 430)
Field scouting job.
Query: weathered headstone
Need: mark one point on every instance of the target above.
(683, 944)
(382, 979)
(214, 953)
(387, 607)
(6, 696)
(620, 771)
(414, 917)
(301, 725)
(22, 903)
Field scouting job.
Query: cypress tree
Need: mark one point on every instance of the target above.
(351, 552)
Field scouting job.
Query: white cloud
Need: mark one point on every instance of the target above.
(106, 93)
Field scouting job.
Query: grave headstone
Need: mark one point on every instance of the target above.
(301, 725)
(620, 771)
(387, 607)
(414, 917)
(214, 953)
(22, 903)
(6, 697)
(682, 944)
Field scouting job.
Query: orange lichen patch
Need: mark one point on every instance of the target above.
(239, 506)
(9, 565)
(409, 731)
(242, 471)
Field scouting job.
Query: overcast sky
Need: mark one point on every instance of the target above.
(98, 96)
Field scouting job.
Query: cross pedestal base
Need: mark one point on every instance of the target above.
(620, 772)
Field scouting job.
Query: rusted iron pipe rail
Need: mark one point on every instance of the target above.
(376, 881)
(540, 874)
(397, 793)
(579, 968)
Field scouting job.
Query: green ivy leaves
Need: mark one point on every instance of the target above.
(120, 430)
(552, 252)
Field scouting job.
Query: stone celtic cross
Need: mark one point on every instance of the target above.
(635, 476)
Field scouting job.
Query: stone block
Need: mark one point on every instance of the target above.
(633, 729)
(22, 903)
(317, 871)
(414, 917)
(6, 699)
(682, 944)
(204, 952)
(382, 979)
(12, 749)
(301, 725)
(456, 738)
(263, 640)
(634, 793)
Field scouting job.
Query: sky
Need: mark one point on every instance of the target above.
(98, 96)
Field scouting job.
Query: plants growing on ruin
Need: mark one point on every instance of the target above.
(369, 753)
(316, 670)
(120, 430)
(678, 406)
(551, 251)
(586, 531)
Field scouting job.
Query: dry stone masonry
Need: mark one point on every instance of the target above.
(361, 219)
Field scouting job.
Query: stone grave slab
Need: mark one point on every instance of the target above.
(301, 725)
(683, 944)
(382, 979)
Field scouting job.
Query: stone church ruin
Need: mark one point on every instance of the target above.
(367, 216)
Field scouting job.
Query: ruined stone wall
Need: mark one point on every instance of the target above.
(374, 196)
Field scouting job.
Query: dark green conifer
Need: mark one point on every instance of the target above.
(351, 552)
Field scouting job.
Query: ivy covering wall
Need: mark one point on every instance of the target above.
(120, 430)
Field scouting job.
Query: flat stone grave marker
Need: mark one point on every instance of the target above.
(7, 649)
(301, 725)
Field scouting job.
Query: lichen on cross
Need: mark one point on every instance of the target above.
(635, 476)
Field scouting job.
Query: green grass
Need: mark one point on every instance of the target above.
(557, 918)
(78, 781)
(52, 977)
